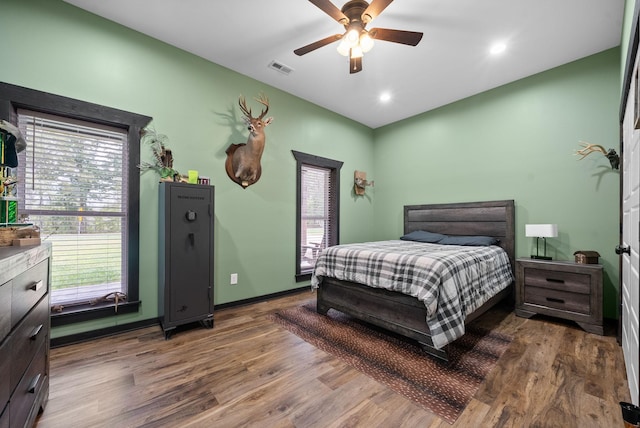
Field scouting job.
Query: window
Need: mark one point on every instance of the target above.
(79, 183)
(73, 185)
(317, 207)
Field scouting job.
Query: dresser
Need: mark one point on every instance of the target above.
(562, 289)
(185, 245)
(24, 333)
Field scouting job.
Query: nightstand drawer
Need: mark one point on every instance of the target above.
(555, 299)
(558, 280)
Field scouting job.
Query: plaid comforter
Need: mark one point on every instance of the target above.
(451, 280)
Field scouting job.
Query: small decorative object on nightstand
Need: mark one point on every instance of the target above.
(562, 289)
(587, 257)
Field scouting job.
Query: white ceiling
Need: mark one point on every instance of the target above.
(451, 62)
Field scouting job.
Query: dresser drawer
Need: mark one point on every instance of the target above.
(558, 280)
(4, 417)
(27, 338)
(27, 289)
(30, 387)
(561, 300)
(5, 309)
(5, 373)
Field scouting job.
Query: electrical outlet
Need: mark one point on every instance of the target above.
(234, 279)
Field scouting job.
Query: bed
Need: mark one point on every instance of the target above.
(407, 315)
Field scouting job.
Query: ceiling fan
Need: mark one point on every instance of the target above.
(354, 16)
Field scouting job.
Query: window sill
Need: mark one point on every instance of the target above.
(92, 312)
(303, 277)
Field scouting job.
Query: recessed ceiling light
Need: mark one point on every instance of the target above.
(385, 97)
(497, 48)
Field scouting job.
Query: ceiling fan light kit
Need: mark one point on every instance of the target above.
(356, 41)
(354, 45)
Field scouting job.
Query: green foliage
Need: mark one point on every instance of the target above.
(162, 162)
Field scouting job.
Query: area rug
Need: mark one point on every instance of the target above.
(441, 388)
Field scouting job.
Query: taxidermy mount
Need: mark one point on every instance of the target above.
(243, 160)
(360, 182)
(587, 149)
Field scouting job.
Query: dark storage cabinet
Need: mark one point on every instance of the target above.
(185, 244)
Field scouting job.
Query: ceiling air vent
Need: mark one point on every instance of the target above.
(278, 66)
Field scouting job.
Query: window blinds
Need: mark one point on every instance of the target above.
(73, 185)
(315, 213)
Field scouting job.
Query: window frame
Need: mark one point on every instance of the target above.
(14, 97)
(334, 206)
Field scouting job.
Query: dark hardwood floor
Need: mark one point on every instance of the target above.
(248, 371)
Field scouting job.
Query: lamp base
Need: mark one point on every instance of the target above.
(541, 257)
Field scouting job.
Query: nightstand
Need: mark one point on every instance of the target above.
(562, 289)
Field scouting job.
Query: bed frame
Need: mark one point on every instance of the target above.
(404, 314)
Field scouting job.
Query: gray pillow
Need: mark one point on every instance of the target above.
(478, 241)
(423, 236)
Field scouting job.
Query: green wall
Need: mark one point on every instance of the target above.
(516, 142)
(512, 142)
(54, 47)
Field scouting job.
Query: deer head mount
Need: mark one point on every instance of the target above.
(610, 154)
(360, 182)
(243, 160)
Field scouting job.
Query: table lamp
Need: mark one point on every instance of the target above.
(543, 231)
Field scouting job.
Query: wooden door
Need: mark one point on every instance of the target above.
(630, 239)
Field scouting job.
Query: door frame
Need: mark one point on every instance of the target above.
(632, 51)
(629, 74)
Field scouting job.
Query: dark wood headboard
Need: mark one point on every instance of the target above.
(487, 218)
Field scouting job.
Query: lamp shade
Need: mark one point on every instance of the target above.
(541, 230)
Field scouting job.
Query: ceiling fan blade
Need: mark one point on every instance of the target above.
(330, 9)
(355, 65)
(397, 36)
(374, 9)
(315, 45)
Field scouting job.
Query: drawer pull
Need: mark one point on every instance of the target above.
(34, 384)
(37, 285)
(554, 300)
(559, 281)
(35, 332)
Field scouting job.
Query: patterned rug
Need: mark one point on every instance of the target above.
(442, 388)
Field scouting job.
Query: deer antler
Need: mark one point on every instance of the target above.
(262, 99)
(243, 106)
(614, 158)
(590, 148)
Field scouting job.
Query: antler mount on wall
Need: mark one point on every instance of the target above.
(611, 155)
(354, 16)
